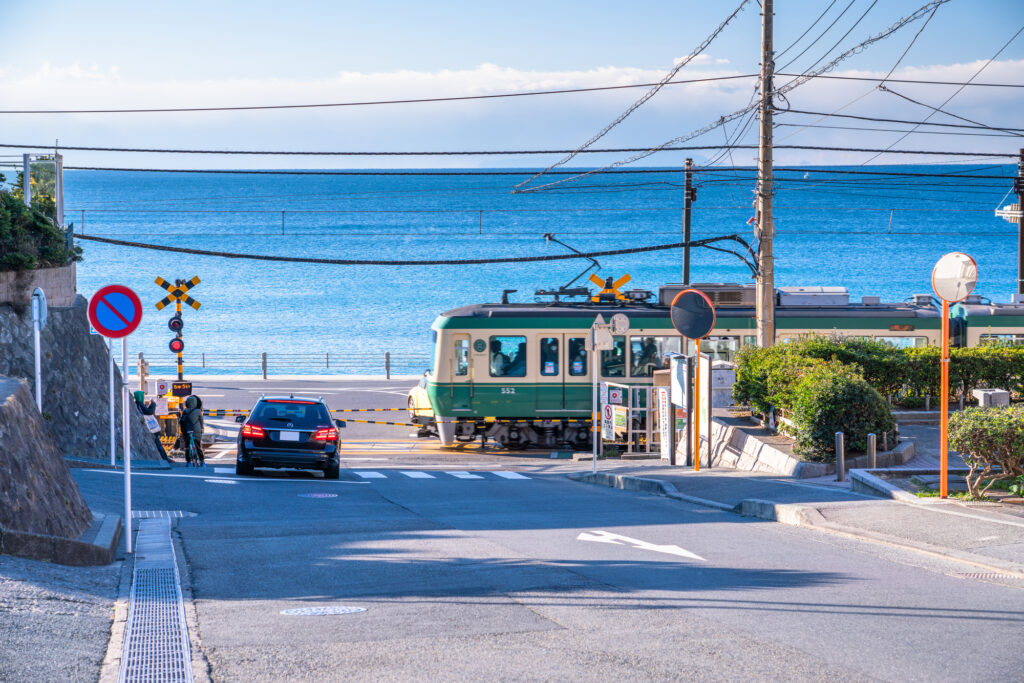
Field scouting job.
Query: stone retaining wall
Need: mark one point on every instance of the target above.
(37, 493)
(75, 381)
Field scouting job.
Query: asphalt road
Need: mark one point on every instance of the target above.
(468, 573)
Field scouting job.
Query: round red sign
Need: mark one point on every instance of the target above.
(115, 311)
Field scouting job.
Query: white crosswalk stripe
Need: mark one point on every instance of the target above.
(464, 475)
(366, 474)
(511, 475)
(417, 475)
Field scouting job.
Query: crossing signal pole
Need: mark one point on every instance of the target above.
(765, 224)
(177, 294)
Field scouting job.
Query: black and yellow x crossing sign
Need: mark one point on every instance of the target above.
(609, 287)
(177, 292)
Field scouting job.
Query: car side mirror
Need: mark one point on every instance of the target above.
(239, 418)
(340, 424)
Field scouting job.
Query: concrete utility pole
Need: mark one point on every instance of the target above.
(687, 207)
(765, 224)
(1019, 186)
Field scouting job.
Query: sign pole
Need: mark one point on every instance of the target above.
(944, 406)
(39, 369)
(113, 421)
(126, 440)
(595, 433)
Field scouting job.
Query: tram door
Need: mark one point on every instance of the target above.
(461, 391)
(563, 379)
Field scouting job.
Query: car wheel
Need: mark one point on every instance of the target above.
(242, 468)
(333, 471)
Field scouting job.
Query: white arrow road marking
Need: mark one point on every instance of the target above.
(617, 539)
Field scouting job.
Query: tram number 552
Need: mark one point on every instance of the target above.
(508, 390)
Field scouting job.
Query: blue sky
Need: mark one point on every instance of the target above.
(128, 54)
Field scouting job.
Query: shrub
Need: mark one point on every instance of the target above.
(834, 397)
(991, 441)
(28, 239)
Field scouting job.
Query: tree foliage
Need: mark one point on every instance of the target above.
(991, 441)
(29, 239)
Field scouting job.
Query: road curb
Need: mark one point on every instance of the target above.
(800, 515)
(96, 546)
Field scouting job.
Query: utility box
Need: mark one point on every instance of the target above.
(723, 376)
(991, 398)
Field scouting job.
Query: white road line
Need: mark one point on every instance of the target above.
(618, 539)
(464, 475)
(223, 470)
(416, 475)
(370, 475)
(510, 475)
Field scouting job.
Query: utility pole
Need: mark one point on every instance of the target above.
(689, 195)
(765, 224)
(1019, 186)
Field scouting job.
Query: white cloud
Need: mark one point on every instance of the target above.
(561, 121)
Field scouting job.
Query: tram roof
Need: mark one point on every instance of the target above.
(582, 314)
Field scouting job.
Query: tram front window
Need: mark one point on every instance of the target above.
(508, 356)
(648, 354)
(613, 361)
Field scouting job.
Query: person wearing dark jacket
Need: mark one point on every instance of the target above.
(150, 409)
(191, 425)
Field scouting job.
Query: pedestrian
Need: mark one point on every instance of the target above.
(149, 415)
(190, 424)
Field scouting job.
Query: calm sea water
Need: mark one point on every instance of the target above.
(872, 234)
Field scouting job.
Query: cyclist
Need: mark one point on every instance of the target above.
(191, 426)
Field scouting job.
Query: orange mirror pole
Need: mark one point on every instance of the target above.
(944, 405)
(696, 412)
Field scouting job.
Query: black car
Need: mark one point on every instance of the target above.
(289, 432)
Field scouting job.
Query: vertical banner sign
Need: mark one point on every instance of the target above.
(665, 410)
(115, 311)
(705, 403)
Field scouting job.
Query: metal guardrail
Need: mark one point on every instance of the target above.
(271, 363)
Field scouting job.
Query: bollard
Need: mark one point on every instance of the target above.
(387, 365)
(928, 402)
(840, 457)
(885, 441)
(263, 362)
(872, 462)
(896, 435)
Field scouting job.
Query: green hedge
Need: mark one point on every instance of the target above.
(29, 240)
(819, 393)
(991, 441)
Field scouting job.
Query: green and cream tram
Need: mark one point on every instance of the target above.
(519, 373)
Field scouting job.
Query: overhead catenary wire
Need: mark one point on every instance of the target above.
(429, 262)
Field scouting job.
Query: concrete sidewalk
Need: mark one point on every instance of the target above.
(990, 538)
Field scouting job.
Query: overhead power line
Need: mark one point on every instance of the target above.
(879, 119)
(436, 262)
(500, 152)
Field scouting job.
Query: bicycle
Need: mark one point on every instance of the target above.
(194, 456)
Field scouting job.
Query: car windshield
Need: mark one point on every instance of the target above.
(302, 415)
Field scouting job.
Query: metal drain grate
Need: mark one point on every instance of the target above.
(156, 646)
(156, 514)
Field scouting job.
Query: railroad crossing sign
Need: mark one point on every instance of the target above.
(177, 292)
(115, 311)
(609, 287)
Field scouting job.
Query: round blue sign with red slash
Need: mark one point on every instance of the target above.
(115, 311)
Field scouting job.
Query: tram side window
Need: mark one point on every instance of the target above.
(549, 356)
(903, 342)
(613, 361)
(508, 356)
(577, 356)
(648, 354)
(720, 348)
(462, 356)
(1000, 339)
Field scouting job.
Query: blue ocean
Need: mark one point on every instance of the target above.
(875, 234)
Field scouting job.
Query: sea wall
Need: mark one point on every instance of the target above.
(75, 381)
(37, 493)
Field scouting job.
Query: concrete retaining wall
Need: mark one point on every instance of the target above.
(57, 283)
